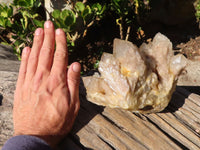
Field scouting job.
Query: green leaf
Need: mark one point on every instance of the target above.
(30, 3)
(72, 44)
(96, 65)
(37, 3)
(22, 3)
(2, 22)
(80, 6)
(64, 14)
(8, 23)
(22, 22)
(4, 43)
(69, 21)
(25, 15)
(87, 11)
(97, 7)
(57, 24)
(10, 12)
(38, 23)
(4, 14)
(68, 17)
(56, 13)
(103, 10)
(35, 16)
(116, 3)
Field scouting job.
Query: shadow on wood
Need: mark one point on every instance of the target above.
(192, 89)
(96, 127)
(87, 112)
(179, 96)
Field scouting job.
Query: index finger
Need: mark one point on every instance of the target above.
(60, 61)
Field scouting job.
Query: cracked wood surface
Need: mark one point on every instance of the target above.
(177, 127)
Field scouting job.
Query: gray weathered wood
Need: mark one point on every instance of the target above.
(175, 128)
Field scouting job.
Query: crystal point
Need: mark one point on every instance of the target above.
(137, 79)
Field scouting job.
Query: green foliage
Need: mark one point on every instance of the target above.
(76, 21)
(27, 3)
(22, 24)
(96, 65)
(5, 14)
(64, 19)
(197, 7)
(128, 13)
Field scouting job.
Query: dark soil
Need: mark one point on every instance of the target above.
(191, 49)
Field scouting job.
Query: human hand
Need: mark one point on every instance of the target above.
(46, 99)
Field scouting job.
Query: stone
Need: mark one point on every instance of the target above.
(191, 75)
(9, 66)
(137, 79)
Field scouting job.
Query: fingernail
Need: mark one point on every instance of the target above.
(25, 51)
(58, 31)
(38, 31)
(76, 67)
(47, 24)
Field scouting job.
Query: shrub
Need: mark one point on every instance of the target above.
(129, 14)
(197, 8)
(20, 19)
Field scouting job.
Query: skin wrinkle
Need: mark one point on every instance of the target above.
(46, 100)
(47, 52)
(37, 81)
(33, 61)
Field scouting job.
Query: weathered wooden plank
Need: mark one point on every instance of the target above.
(88, 138)
(191, 107)
(113, 135)
(190, 115)
(167, 125)
(152, 127)
(106, 128)
(187, 118)
(187, 106)
(86, 135)
(138, 130)
(107, 131)
(176, 124)
(195, 98)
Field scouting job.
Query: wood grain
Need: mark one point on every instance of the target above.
(177, 127)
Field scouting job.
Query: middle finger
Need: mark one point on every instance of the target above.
(47, 50)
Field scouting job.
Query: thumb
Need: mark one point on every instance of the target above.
(73, 80)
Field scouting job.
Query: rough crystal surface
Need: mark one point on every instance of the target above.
(138, 79)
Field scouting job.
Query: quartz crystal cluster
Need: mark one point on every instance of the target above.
(137, 79)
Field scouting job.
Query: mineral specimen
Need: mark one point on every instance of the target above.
(138, 79)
